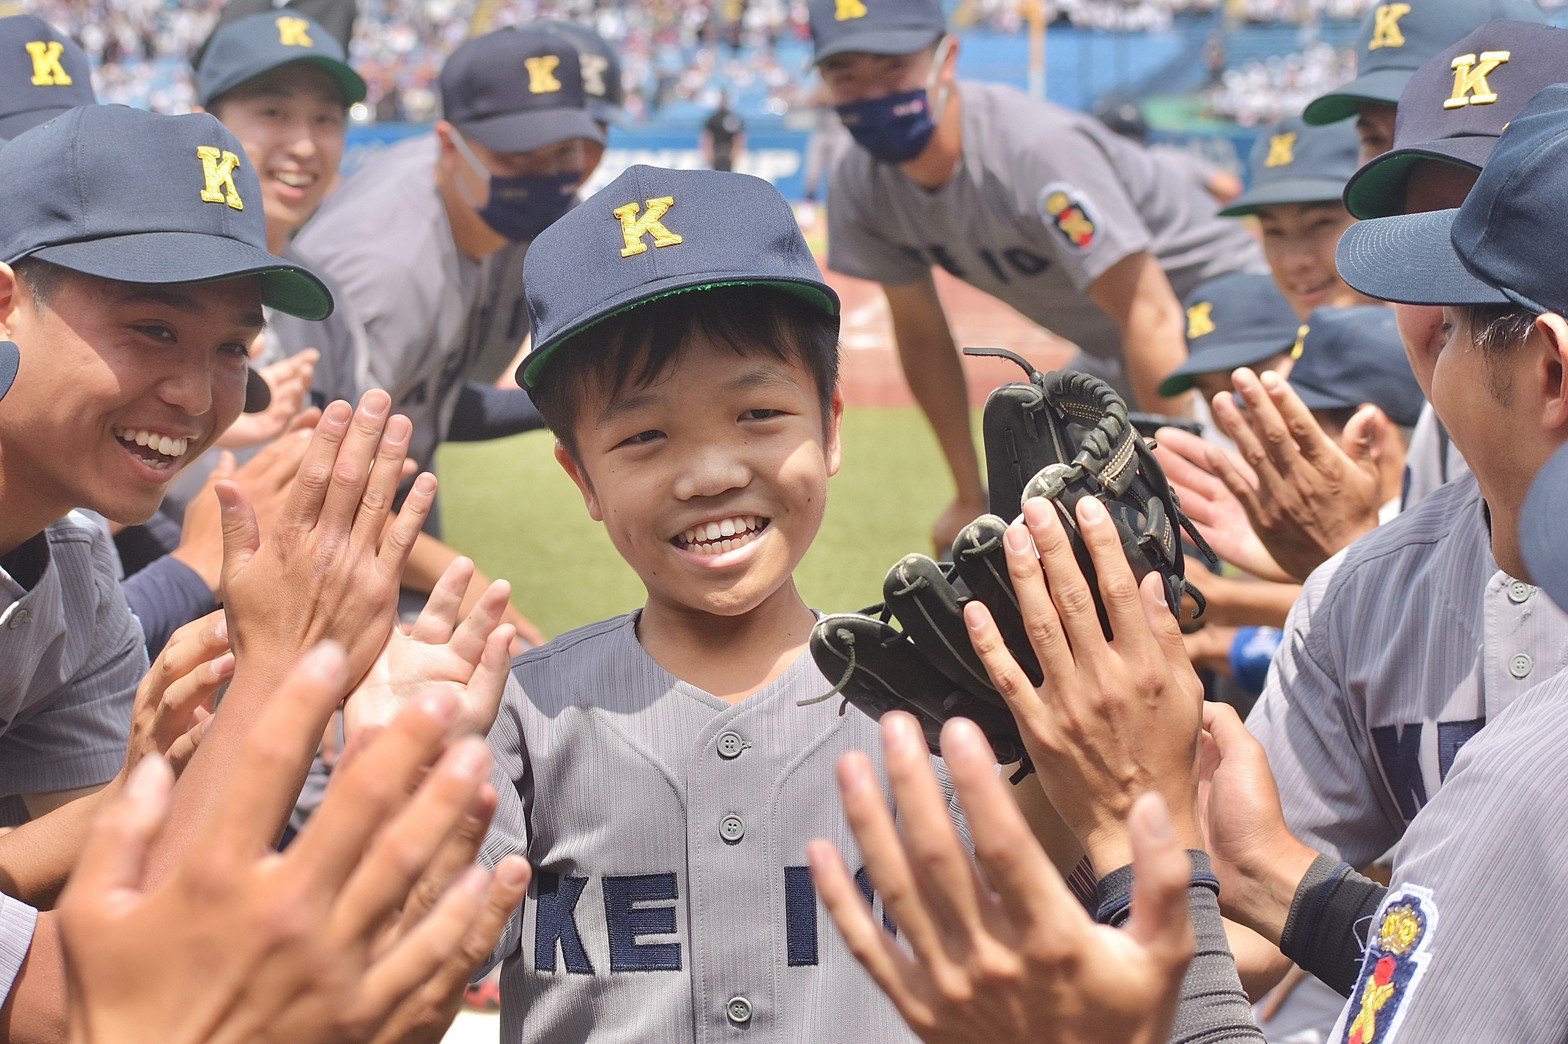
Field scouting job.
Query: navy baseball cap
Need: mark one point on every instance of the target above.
(518, 89)
(601, 69)
(654, 232)
(1296, 163)
(1352, 356)
(1541, 528)
(874, 26)
(128, 195)
(249, 47)
(1457, 104)
(1396, 39)
(43, 73)
(1501, 247)
(1238, 319)
(10, 359)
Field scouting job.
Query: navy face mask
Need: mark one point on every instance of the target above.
(524, 205)
(894, 129)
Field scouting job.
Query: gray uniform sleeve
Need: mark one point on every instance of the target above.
(508, 832)
(855, 246)
(17, 923)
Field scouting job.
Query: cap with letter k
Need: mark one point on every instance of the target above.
(654, 232)
(874, 26)
(42, 74)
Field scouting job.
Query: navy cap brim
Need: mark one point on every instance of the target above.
(1541, 538)
(818, 295)
(1219, 360)
(1380, 86)
(1294, 190)
(517, 132)
(10, 360)
(349, 81)
(1378, 189)
(880, 41)
(1409, 259)
(258, 393)
(20, 122)
(193, 257)
(604, 112)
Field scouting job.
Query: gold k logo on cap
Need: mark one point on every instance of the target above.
(541, 74)
(1385, 26)
(47, 70)
(217, 168)
(1199, 322)
(594, 67)
(848, 10)
(1301, 341)
(294, 32)
(1470, 86)
(634, 228)
(1282, 150)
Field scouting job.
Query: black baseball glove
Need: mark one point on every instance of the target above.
(1062, 436)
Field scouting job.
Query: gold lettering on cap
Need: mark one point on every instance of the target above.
(217, 167)
(1199, 321)
(1470, 86)
(634, 228)
(47, 70)
(1301, 341)
(1385, 26)
(541, 74)
(594, 67)
(294, 32)
(1282, 150)
(848, 10)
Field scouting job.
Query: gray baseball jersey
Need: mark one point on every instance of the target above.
(1399, 650)
(73, 657)
(17, 922)
(427, 310)
(343, 372)
(1467, 945)
(667, 829)
(1432, 459)
(1043, 202)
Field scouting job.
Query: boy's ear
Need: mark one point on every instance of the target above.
(572, 468)
(1552, 362)
(834, 446)
(11, 293)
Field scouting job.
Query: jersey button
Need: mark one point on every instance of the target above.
(17, 618)
(730, 745)
(738, 1010)
(732, 828)
(1519, 592)
(1520, 665)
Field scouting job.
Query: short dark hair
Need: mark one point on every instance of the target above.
(1497, 330)
(42, 278)
(633, 349)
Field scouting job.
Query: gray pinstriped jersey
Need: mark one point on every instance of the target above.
(667, 828)
(17, 921)
(73, 656)
(1399, 650)
(1480, 876)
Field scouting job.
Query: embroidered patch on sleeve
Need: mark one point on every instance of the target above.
(1068, 211)
(1398, 952)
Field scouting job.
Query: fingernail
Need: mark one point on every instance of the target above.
(375, 403)
(1091, 512)
(472, 760)
(221, 628)
(147, 779)
(512, 871)
(425, 483)
(1017, 538)
(1270, 379)
(338, 413)
(223, 666)
(974, 615)
(1039, 513)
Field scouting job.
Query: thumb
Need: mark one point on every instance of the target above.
(1361, 433)
(1161, 873)
(241, 534)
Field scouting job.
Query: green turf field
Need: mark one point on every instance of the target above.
(509, 506)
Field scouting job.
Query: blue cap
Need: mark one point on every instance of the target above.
(1503, 246)
(1457, 104)
(1541, 528)
(601, 69)
(129, 195)
(654, 232)
(1396, 39)
(43, 73)
(1233, 320)
(874, 26)
(10, 359)
(249, 47)
(518, 89)
(1352, 356)
(1295, 163)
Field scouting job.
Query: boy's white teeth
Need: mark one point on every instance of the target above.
(295, 180)
(153, 441)
(724, 535)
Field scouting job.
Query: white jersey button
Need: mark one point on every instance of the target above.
(1521, 665)
(732, 828)
(1519, 592)
(15, 616)
(738, 1010)
(730, 745)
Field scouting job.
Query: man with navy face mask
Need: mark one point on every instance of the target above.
(426, 239)
(1042, 208)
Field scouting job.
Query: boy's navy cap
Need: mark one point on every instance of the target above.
(1503, 246)
(128, 195)
(1295, 163)
(1396, 39)
(244, 49)
(518, 89)
(874, 26)
(10, 359)
(1541, 528)
(601, 68)
(43, 73)
(1233, 320)
(652, 233)
(1352, 356)
(1457, 104)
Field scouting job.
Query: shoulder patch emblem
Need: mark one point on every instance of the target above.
(1067, 209)
(1396, 957)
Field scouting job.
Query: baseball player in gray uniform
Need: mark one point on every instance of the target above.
(1045, 209)
(658, 768)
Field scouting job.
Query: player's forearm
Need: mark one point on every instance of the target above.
(37, 857)
(1154, 346)
(1235, 603)
(35, 1012)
